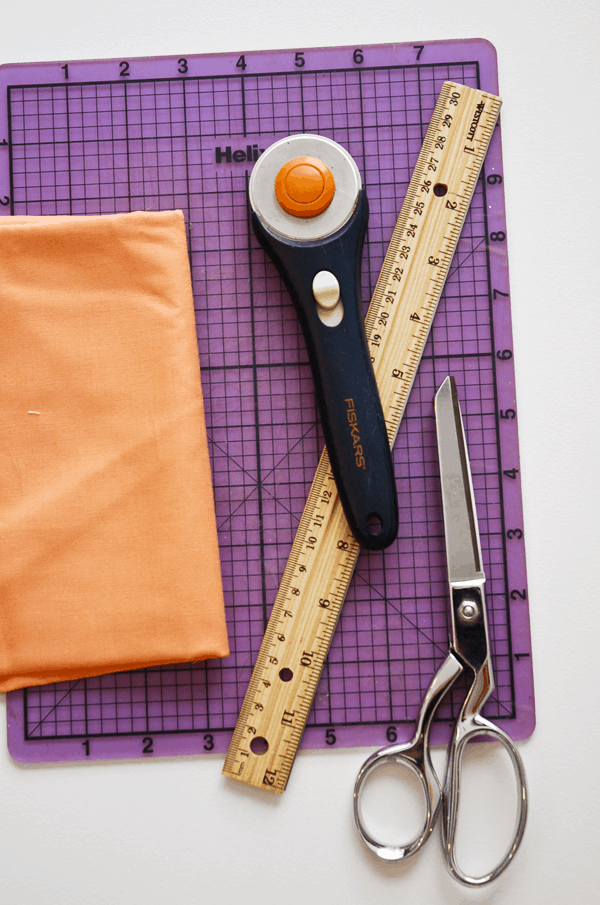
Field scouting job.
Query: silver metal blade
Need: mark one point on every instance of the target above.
(463, 549)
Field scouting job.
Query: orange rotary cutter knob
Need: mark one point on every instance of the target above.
(304, 187)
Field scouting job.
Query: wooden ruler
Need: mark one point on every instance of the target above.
(324, 553)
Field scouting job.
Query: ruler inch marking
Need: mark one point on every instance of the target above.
(324, 553)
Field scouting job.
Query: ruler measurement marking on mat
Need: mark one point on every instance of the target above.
(324, 553)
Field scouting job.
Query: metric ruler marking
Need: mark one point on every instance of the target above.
(324, 553)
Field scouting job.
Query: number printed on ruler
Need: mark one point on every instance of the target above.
(324, 553)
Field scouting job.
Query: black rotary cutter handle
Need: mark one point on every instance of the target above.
(347, 395)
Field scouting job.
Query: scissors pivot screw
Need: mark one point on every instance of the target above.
(468, 611)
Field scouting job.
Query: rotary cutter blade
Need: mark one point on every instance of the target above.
(309, 212)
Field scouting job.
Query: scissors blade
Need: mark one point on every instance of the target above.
(463, 548)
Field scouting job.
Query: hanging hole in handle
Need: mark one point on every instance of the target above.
(439, 189)
(374, 524)
(488, 809)
(393, 809)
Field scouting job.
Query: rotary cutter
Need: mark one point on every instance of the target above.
(309, 212)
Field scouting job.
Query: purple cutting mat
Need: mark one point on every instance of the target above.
(108, 136)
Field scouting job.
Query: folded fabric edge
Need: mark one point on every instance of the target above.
(34, 680)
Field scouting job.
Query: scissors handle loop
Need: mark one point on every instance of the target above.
(415, 756)
(469, 726)
(412, 759)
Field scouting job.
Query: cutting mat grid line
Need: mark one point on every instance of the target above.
(106, 147)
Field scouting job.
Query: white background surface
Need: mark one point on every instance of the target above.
(175, 830)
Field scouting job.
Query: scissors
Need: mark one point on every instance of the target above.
(469, 652)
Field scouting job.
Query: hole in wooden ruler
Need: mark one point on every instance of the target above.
(285, 674)
(439, 190)
(259, 745)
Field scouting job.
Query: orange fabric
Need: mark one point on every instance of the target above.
(108, 546)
